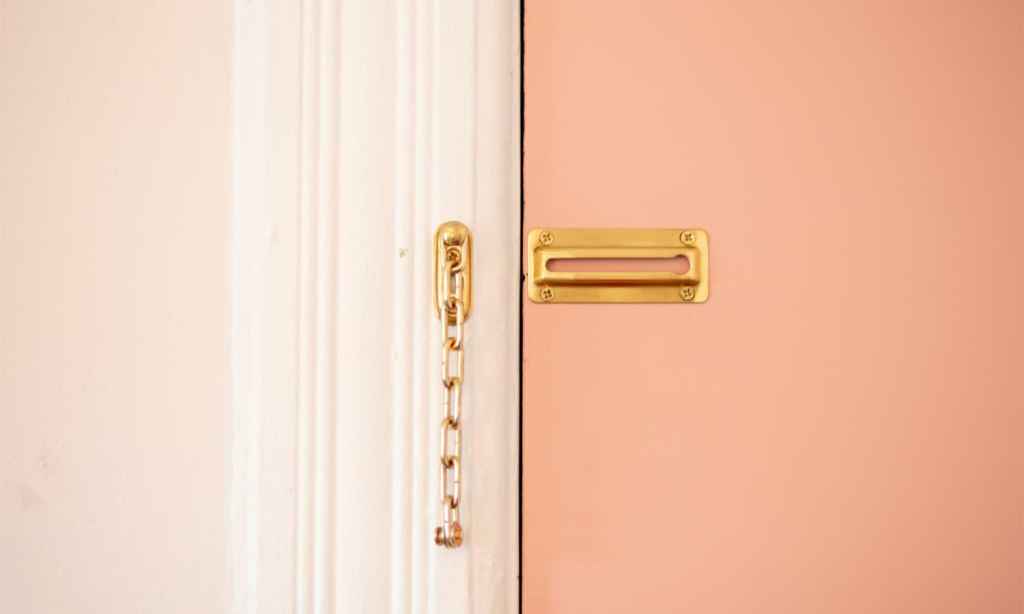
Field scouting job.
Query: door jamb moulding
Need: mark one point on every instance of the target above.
(360, 126)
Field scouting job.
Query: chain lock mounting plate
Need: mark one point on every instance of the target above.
(453, 237)
(545, 245)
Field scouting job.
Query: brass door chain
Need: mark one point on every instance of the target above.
(452, 295)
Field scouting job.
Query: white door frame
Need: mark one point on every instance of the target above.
(359, 126)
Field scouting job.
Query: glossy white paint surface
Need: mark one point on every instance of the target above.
(379, 121)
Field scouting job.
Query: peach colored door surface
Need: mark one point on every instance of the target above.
(839, 428)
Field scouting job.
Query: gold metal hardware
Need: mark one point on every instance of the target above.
(453, 240)
(547, 286)
(453, 266)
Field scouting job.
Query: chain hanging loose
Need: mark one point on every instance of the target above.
(452, 294)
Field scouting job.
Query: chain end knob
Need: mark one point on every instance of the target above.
(452, 541)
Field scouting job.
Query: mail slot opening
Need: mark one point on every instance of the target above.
(678, 264)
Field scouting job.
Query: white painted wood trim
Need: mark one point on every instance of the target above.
(359, 126)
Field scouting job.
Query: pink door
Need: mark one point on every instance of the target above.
(839, 427)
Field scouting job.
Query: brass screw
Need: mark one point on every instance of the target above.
(687, 237)
(547, 294)
(453, 233)
(546, 238)
(687, 293)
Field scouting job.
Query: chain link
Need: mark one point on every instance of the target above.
(453, 313)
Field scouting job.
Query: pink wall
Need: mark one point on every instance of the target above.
(114, 365)
(838, 429)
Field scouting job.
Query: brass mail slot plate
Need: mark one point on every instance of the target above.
(545, 285)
